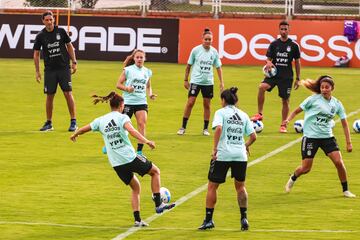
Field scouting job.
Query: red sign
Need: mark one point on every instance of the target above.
(241, 41)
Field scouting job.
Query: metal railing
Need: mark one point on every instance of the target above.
(216, 8)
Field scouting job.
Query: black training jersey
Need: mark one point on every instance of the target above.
(53, 46)
(282, 55)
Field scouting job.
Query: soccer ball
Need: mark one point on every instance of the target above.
(299, 125)
(270, 73)
(258, 126)
(165, 195)
(356, 126)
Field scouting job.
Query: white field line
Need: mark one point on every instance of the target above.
(203, 187)
(177, 229)
(61, 225)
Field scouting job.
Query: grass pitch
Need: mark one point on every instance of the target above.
(51, 188)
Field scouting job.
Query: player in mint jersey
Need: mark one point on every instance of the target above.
(280, 53)
(202, 58)
(319, 110)
(114, 127)
(135, 83)
(230, 151)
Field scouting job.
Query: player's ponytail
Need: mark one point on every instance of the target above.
(314, 86)
(115, 99)
(230, 96)
(130, 58)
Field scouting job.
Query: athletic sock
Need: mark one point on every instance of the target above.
(209, 214)
(206, 124)
(137, 216)
(140, 147)
(73, 120)
(157, 199)
(344, 186)
(184, 122)
(293, 177)
(243, 212)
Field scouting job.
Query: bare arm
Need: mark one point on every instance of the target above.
(70, 49)
(186, 79)
(297, 69)
(345, 126)
(80, 131)
(250, 141)
(292, 115)
(133, 132)
(220, 75)
(149, 90)
(37, 65)
(217, 134)
(120, 84)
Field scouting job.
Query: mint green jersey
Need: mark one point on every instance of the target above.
(318, 114)
(138, 79)
(202, 62)
(118, 146)
(235, 124)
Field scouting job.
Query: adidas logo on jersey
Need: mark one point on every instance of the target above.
(111, 126)
(235, 119)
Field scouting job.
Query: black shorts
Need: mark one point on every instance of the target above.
(54, 77)
(131, 109)
(284, 86)
(309, 146)
(207, 91)
(219, 169)
(139, 165)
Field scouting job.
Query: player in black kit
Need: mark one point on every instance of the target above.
(57, 51)
(280, 54)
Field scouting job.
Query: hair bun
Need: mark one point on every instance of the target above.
(233, 89)
(207, 30)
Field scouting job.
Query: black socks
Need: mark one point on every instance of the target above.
(209, 214)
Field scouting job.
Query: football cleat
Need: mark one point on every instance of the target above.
(207, 225)
(73, 126)
(164, 207)
(181, 131)
(244, 224)
(290, 183)
(349, 194)
(47, 127)
(206, 132)
(283, 129)
(257, 117)
(140, 224)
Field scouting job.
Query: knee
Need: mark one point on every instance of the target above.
(241, 190)
(68, 94)
(212, 188)
(305, 170)
(285, 102)
(141, 124)
(137, 189)
(154, 171)
(206, 106)
(190, 104)
(339, 164)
